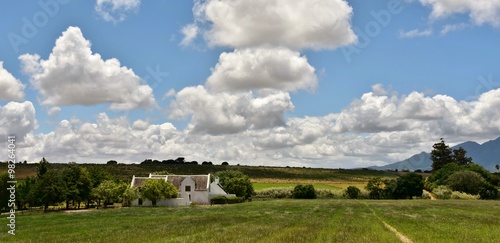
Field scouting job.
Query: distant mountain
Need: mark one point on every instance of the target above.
(486, 154)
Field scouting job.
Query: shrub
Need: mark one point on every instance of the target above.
(463, 196)
(281, 192)
(466, 181)
(304, 192)
(218, 200)
(442, 192)
(328, 193)
(233, 200)
(352, 192)
(488, 191)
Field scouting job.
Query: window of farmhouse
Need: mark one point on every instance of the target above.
(188, 188)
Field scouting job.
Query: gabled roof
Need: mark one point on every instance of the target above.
(202, 182)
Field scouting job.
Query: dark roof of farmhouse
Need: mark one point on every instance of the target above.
(200, 181)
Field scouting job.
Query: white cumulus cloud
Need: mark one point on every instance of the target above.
(259, 68)
(480, 11)
(73, 75)
(116, 10)
(17, 119)
(295, 24)
(10, 87)
(225, 113)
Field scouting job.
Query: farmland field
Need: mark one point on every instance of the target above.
(271, 221)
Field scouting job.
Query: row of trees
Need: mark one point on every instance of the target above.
(180, 160)
(73, 185)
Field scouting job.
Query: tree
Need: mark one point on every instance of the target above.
(440, 155)
(42, 168)
(466, 181)
(235, 182)
(225, 163)
(352, 192)
(50, 189)
(112, 162)
(108, 191)
(459, 156)
(497, 166)
(409, 185)
(304, 192)
(130, 194)
(375, 187)
(156, 190)
(23, 191)
(78, 184)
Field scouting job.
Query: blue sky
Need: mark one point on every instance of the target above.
(327, 83)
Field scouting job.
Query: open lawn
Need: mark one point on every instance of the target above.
(271, 221)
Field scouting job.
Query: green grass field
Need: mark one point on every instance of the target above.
(270, 221)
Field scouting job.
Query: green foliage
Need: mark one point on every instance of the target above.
(4, 193)
(42, 168)
(218, 200)
(463, 196)
(352, 192)
(441, 155)
(375, 187)
(23, 191)
(409, 185)
(466, 181)
(130, 194)
(234, 200)
(488, 191)
(235, 182)
(459, 156)
(156, 190)
(50, 189)
(109, 191)
(442, 192)
(78, 183)
(281, 192)
(304, 192)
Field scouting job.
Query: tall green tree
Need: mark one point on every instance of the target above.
(497, 166)
(441, 155)
(409, 185)
(375, 186)
(156, 190)
(235, 182)
(23, 191)
(130, 194)
(108, 191)
(42, 168)
(459, 156)
(50, 189)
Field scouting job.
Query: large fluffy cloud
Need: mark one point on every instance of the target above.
(73, 75)
(258, 68)
(295, 24)
(10, 87)
(224, 113)
(116, 10)
(17, 119)
(479, 11)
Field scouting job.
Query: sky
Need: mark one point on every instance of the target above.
(315, 83)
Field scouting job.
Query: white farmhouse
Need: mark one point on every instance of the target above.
(191, 188)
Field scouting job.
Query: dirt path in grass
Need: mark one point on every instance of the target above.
(402, 238)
